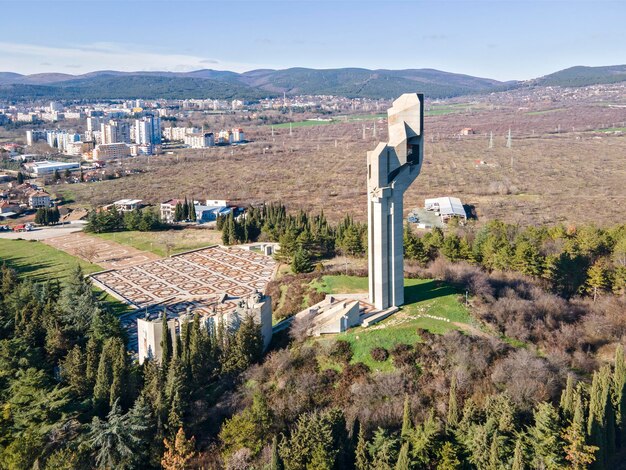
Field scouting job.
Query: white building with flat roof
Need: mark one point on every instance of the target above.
(46, 167)
(446, 207)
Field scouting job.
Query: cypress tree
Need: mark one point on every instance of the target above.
(567, 397)
(92, 355)
(361, 460)
(453, 413)
(494, 458)
(185, 209)
(595, 423)
(104, 378)
(407, 423)
(546, 439)
(609, 412)
(275, 462)
(403, 462)
(192, 211)
(619, 394)
(178, 212)
(579, 407)
(119, 373)
(518, 455)
(166, 342)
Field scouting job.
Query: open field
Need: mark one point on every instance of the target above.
(165, 243)
(108, 254)
(574, 175)
(423, 297)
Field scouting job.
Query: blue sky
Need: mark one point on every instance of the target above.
(501, 39)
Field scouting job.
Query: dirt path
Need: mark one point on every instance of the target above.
(472, 330)
(108, 254)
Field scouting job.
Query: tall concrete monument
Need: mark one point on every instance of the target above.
(391, 169)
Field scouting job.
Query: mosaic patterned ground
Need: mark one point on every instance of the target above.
(200, 276)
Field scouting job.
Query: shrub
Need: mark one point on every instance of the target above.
(403, 355)
(341, 351)
(379, 354)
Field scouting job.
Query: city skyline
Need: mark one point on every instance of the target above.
(534, 38)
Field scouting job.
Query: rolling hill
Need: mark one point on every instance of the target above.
(583, 76)
(255, 84)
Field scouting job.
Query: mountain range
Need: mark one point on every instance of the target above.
(255, 84)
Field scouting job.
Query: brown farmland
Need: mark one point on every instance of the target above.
(560, 167)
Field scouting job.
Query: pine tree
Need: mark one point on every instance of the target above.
(114, 441)
(452, 417)
(20, 178)
(407, 424)
(597, 278)
(301, 262)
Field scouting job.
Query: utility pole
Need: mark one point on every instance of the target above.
(508, 140)
(491, 140)
(272, 131)
(374, 130)
(363, 131)
(290, 129)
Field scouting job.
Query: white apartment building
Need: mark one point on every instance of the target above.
(179, 133)
(115, 132)
(199, 141)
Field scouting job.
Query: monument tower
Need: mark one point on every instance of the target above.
(391, 169)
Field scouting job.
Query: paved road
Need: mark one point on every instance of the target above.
(43, 233)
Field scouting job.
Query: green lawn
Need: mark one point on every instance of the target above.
(39, 262)
(612, 129)
(285, 125)
(157, 242)
(422, 297)
(546, 111)
(335, 120)
(341, 284)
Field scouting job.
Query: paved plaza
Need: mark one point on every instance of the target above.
(200, 276)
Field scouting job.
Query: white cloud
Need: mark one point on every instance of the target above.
(31, 58)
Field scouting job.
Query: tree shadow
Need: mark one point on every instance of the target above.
(427, 291)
